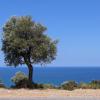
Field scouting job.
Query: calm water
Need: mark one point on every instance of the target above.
(54, 75)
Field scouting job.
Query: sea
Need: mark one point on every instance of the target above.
(52, 75)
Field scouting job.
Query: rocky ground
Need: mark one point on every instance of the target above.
(49, 94)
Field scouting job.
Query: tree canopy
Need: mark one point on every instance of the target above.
(24, 42)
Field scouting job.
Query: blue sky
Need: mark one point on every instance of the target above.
(75, 23)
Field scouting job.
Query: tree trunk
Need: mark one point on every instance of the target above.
(30, 75)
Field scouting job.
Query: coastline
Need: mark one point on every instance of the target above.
(55, 75)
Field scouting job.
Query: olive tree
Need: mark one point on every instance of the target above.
(24, 42)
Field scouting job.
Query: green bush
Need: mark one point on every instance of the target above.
(84, 85)
(95, 84)
(48, 86)
(43, 86)
(69, 85)
(37, 86)
(20, 80)
(1, 84)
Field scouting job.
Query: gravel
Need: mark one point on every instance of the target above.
(53, 98)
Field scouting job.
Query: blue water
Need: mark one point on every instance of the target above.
(53, 75)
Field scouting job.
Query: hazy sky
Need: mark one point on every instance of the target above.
(75, 23)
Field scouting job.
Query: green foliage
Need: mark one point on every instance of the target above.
(47, 86)
(43, 86)
(1, 84)
(18, 77)
(84, 85)
(69, 85)
(20, 80)
(0, 81)
(95, 84)
(24, 42)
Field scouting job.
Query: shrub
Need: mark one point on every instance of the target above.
(43, 86)
(95, 84)
(70, 85)
(20, 80)
(37, 86)
(48, 86)
(84, 85)
(1, 84)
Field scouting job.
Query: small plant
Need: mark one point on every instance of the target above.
(69, 85)
(84, 85)
(95, 84)
(1, 84)
(48, 86)
(20, 80)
